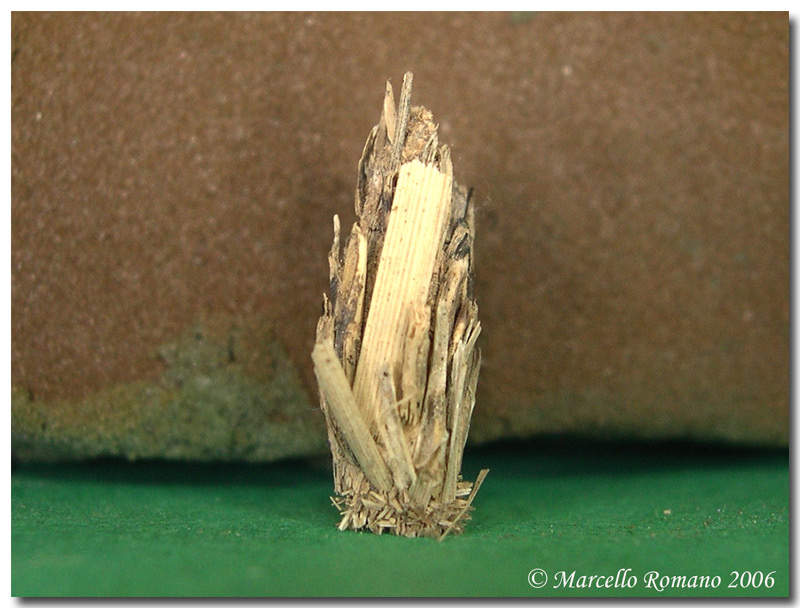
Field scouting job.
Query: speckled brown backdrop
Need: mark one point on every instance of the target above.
(633, 239)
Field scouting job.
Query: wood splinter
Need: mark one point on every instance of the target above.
(396, 357)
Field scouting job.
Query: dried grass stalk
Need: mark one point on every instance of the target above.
(400, 328)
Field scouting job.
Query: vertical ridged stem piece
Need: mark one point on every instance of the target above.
(414, 236)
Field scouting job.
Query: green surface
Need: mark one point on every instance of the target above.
(116, 529)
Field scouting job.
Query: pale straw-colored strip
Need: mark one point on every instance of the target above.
(339, 398)
(414, 235)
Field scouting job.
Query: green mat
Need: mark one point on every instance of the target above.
(552, 507)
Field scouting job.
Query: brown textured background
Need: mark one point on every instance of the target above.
(633, 239)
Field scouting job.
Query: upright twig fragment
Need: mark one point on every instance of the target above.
(396, 357)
